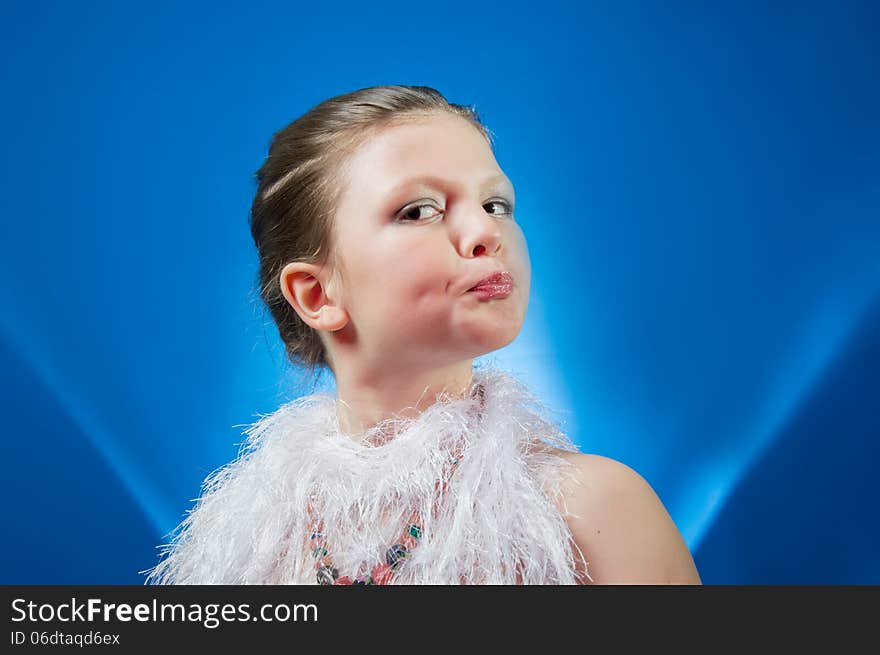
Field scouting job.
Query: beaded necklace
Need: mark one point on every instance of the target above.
(395, 555)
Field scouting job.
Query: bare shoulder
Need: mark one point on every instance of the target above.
(621, 526)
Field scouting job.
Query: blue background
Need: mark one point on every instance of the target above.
(698, 187)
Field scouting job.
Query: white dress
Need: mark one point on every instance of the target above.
(496, 520)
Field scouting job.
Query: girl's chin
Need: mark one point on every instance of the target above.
(500, 337)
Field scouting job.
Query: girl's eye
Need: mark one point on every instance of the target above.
(509, 208)
(414, 213)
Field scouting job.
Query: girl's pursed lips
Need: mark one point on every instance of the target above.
(498, 284)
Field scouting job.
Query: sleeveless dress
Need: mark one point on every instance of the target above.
(479, 472)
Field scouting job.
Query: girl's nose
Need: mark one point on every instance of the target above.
(478, 233)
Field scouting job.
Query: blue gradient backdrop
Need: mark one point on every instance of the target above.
(698, 186)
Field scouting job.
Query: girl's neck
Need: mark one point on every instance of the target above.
(364, 401)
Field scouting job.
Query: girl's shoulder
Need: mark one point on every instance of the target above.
(621, 525)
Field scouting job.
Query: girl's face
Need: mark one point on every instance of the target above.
(426, 213)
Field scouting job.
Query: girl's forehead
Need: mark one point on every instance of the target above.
(439, 141)
(437, 154)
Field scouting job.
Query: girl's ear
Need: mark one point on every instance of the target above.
(304, 287)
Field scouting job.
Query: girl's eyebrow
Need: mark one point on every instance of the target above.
(499, 179)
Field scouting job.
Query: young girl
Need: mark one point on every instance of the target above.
(389, 254)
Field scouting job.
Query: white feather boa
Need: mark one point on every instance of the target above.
(498, 522)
